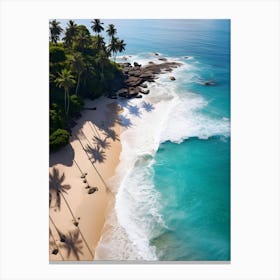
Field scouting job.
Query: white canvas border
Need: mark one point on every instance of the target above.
(255, 138)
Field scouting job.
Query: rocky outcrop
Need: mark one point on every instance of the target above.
(134, 78)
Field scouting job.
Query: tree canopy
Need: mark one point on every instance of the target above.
(80, 67)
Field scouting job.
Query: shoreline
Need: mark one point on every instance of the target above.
(93, 211)
(116, 242)
(94, 129)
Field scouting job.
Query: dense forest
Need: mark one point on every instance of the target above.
(82, 65)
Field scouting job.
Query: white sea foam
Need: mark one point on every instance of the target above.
(163, 115)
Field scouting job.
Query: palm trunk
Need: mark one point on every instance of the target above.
(78, 83)
(94, 128)
(61, 236)
(72, 214)
(68, 103)
(65, 97)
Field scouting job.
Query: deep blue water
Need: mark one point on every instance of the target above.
(192, 175)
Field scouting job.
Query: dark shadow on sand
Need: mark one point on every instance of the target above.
(96, 153)
(73, 244)
(124, 121)
(148, 106)
(56, 187)
(64, 156)
(103, 143)
(134, 110)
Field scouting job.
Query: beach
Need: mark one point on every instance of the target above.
(72, 161)
(163, 171)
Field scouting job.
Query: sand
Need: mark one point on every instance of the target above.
(96, 128)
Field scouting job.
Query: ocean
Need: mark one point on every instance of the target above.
(173, 182)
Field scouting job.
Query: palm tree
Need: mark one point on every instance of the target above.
(113, 46)
(101, 61)
(88, 73)
(97, 26)
(73, 244)
(101, 43)
(56, 187)
(65, 80)
(111, 30)
(70, 33)
(78, 66)
(121, 45)
(55, 31)
(83, 39)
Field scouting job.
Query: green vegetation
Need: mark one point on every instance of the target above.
(80, 67)
(59, 138)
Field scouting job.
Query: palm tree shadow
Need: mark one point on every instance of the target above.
(96, 153)
(56, 187)
(134, 110)
(148, 106)
(73, 244)
(103, 143)
(124, 121)
(110, 133)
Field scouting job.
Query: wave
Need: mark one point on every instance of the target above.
(166, 114)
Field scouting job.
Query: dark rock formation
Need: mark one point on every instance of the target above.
(133, 77)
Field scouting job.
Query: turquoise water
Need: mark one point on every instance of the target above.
(193, 178)
(175, 203)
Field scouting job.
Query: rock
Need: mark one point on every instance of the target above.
(83, 175)
(75, 224)
(144, 86)
(172, 78)
(122, 90)
(150, 62)
(132, 92)
(156, 54)
(145, 91)
(133, 81)
(209, 83)
(122, 94)
(126, 64)
(186, 57)
(136, 64)
(135, 73)
(55, 251)
(168, 70)
(146, 74)
(84, 181)
(138, 96)
(92, 190)
(163, 59)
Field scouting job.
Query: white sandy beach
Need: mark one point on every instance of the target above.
(89, 210)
